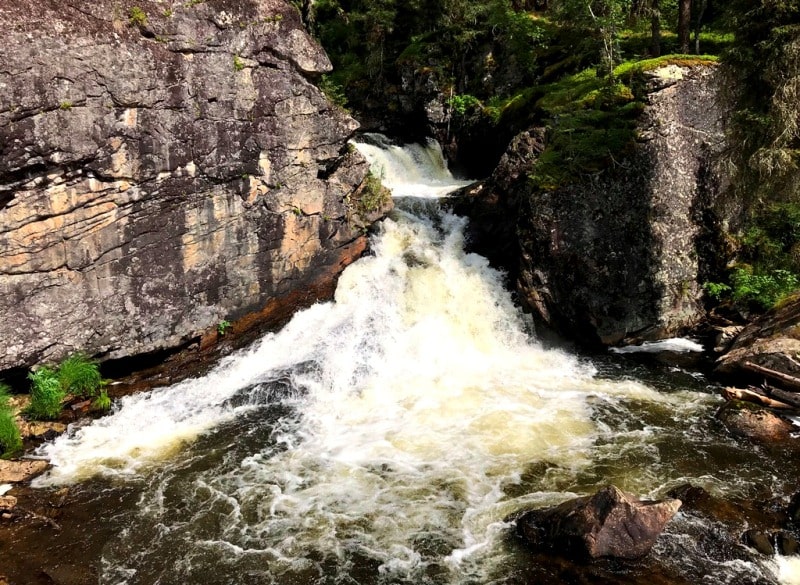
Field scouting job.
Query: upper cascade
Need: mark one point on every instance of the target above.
(409, 170)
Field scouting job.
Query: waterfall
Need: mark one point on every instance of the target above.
(383, 437)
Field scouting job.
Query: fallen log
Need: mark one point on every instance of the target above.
(788, 397)
(751, 396)
(790, 381)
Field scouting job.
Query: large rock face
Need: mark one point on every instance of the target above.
(165, 166)
(616, 257)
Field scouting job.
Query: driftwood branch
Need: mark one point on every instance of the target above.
(755, 397)
(790, 381)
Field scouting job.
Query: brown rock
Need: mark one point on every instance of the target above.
(610, 523)
(41, 429)
(21, 471)
(7, 503)
(759, 541)
(755, 423)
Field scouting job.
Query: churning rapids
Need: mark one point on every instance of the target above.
(385, 437)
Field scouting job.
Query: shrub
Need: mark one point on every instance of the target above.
(80, 376)
(137, 16)
(46, 394)
(102, 402)
(10, 439)
(755, 290)
(238, 64)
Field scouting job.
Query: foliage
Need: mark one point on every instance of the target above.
(46, 394)
(333, 91)
(10, 439)
(238, 64)
(759, 291)
(461, 104)
(373, 194)
(80, 376)
(137, 16)
(604, 17)
(223, 327)
(102, 401)
(764, 64)
(65, 105)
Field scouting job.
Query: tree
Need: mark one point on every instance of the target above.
(606, 17)
(684, 24)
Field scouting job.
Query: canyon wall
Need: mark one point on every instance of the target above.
(164, 167)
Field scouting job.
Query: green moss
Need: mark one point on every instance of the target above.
(65, 105)
(593, 119)
(373, 195)
(238, 64)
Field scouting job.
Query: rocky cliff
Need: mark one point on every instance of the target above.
(617, 255)
(165, 166)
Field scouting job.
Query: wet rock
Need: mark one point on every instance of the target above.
(7, 503)
(21, 471)
(725, 337)
(752, 422)
(786, 543)
(760, 541)
(610, 523)
(793, 509)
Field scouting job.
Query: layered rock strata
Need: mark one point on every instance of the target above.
(166, 166)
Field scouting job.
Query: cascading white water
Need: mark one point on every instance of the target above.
(380, 438)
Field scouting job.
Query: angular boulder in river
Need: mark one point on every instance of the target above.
(610, 523)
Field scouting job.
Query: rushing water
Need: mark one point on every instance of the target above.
(385, 437)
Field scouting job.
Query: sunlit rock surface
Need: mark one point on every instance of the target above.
(164, 170)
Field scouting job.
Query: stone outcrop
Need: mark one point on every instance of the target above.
(165, 166)
(615, 257)
(610, 523)
(618, 255)
(771, 342)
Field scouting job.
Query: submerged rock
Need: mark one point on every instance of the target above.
(610, 523)
(162, 172)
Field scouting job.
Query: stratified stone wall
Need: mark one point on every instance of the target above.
(160, 175)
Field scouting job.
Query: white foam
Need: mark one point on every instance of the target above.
(676, 344)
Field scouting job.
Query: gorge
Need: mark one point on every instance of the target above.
(380, 408)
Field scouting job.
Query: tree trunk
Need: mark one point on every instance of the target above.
(700, 9)
(655, 27)
(684, 24)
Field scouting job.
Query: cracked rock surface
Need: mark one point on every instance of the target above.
(159, 175)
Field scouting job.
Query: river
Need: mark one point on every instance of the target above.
(385, 437)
